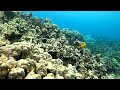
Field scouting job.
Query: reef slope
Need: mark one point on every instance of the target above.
(33, 48)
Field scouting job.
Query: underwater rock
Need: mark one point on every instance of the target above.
(17, 50)
(43, 56)
(4, 70)
(61, 70)
(59, 77)
(51, 68)
(47, 20)
(41, 68)
(11, 63)
(79, 76)
(27, 64)
(3, 41)
(3, 58)
(49, 76)
(16, 73)
(32, 63)
(22, 63)
(70, 72)
(98, 57)
(32, 75)
(57, 61)
(69, 35)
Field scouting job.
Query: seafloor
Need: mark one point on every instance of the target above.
(33, 48)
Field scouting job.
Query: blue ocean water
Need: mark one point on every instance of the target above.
(99, 23)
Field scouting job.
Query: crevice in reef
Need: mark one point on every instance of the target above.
(44, 40)
(53, 54)
(48, 71)
(25, 70)
(13, 37)
(18, 57)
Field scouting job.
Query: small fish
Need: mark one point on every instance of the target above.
(83, 44)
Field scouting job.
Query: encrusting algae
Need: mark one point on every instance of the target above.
(39, 49)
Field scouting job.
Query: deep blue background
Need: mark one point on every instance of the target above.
(100, 23)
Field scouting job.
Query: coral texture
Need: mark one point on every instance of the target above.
(33, 48)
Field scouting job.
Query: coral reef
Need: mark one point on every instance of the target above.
(112, 65)
(72, 35)
(33, 48)
(109, 49)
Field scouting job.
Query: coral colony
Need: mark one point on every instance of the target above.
(33, 48)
